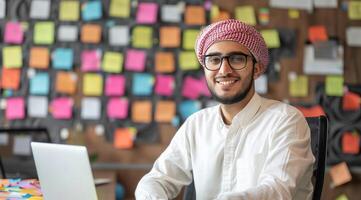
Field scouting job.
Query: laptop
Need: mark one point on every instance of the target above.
(64, 171)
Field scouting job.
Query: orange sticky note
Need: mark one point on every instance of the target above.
(170, 36)
(10, 78)
(66, 82)
(351, 101)
(39, 57)
(351, 143)
(223, 15)
(195, 15)
(91, 33)
(164, 62)
(314, 111)
(142, 111)
(317, 33)
(340, 174)
(123, 138)
(165, 111)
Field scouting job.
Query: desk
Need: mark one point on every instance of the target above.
(106, 191)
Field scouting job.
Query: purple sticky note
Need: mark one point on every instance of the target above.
(90, 60)
(190, 88)
(13, 33)
(147, 13)
(135, 60)
(61, 108)
(115, 85)
(15, 108)
(117, 108)
(164, 85)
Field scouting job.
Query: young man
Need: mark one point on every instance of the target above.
(248, 147)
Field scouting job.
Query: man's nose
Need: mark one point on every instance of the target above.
(225, 67)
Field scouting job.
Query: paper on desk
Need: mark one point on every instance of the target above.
(142, 84)
(112, 62)
(189, 38)
(295, 4)
(169, 36)
(13, 33)
(147, 13)
(44, 32)
(90, 60)
(117, 108)
(92, 84)
(119, 8)
(69, 10)
(62, 108)
(142, 37)
(165, 111)
(39, 83)
(142, 111)
(15, 108)
(353, 38)
(188, 61)
(351, 101)
(164, 85)
(246, 14)
(334, 85)
(164, 62)
(4, 140)
(10, 78)
(39, 57)
(22, 145)
(12, 57)
(311, 65)
(135, 60)
(40, 9)
(340, 174)
(351, 142)
(90, 108)
(115, 85)
(37, 106)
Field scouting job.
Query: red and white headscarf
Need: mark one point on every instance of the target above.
(237, 31)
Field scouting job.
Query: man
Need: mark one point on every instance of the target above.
(248, 147)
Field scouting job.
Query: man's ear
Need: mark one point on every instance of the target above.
(258, 70)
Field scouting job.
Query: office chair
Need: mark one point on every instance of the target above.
(319, 130)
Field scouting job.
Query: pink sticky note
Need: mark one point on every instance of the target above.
(115, 85)
(117, 108)
(203, 87)
(15, 108)
(90, 60)
(164, 85)
(135, 60)
(147, 13)
(13, 33)
(61, 108)
(190, 88)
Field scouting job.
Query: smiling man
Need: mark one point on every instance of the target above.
(247, 147)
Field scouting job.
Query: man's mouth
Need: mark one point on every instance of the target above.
(226, 82)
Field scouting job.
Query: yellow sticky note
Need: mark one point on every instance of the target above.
(92, 84)
(69, 11)
(342, 197)
(119, 8)
(298, 86)
(293, 13)
(214, 11)
(112, 62)
(142, 37)
(12, 57)
(354, 10)
(246, 14)
(271, 38)
(334, 85)
(44, 33)
(189, 38)
(188, 60)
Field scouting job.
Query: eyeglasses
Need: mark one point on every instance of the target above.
(236, 61)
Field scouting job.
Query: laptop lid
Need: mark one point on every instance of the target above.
(64, 171)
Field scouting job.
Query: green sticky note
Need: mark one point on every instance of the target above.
(69, 11)
(334, 85)
(188, 60)
(298, 87)
(189, 39)
(12, 57)
(246, 14)
(92, 84)
(354, 10)
(112, 62)
(342, 197)
(119, 8)
(142, 37)
(271, 38)
(44, 33)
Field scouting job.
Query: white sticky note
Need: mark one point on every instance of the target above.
(40, 9)
(22, 145)
(295, 4)
(67, 33)
(4, 139)
(37, 106)
(90, 108)
(353, 38)
(119, 35)
(2, 9)
(325, 3)
(261, 84)
(171, 13)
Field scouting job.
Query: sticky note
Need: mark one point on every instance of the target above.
(91, 10)
(271, 38)
(342, 197)
(171, 13)
(141, 111)
(67, 33)
(354, 10)
(246, 14)
(14, 33)
(298, 86)
(169, 36)
(119, 35)
(44, 33)
(334, 85)
(21, 145)
(15, 108)
(91, 33)
(223, 15)
(191, 89)
(351, 101)
(352, 34)
(37, 106)
(69, 11)
(261, 84)
(147, 13)
(10, 78)
(313, 111)
(40, 9)
(2, 8)
(63, 58)
(165, 111)
(293, 14)
(62, 108)
(135, 60)
(164, 62)
(142, 84)
(142, 37)
(90, 60)
(186, 108)
(203, 87)
(164, 85)
(117, 108)
(188, 60)
(12, 57)
(66, 82)
(351, 143)
(124, 137)
(340, 174)
(119, 8)
(39, 84)
(39, 57)
(189, 38)
(92, 84)
(195, 15)
(112, 62)
(95, 112)
(115, 85)
(317, 33)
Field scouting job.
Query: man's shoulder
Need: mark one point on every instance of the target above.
(279, 108)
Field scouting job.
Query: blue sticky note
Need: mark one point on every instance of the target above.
(186, 108)
(62, 58)
(39, 84)
(143, 84)
(92, 10)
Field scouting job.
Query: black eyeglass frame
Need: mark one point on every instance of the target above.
(227, 58)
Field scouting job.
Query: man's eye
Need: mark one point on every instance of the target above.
(213, 59)
(237, 58)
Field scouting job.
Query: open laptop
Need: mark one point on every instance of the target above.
(64, 171)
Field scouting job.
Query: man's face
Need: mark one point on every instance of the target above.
(227, 85)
